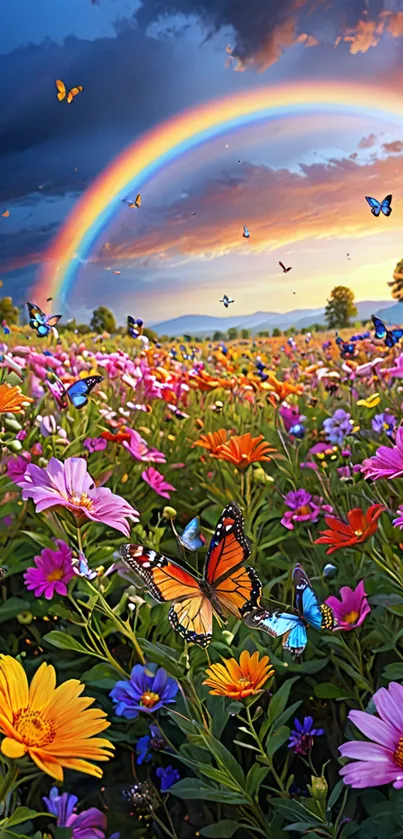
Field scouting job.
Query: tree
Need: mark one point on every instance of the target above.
(276, 332)
(8, 312)
(245, 333)
(232, 333)
(397, 284)
(218, 336)
(103, 320)
(340, 308)
(263, 334)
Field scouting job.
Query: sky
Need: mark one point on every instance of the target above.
(298, 181)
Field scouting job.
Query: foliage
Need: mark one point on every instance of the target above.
(340, 308)
(232, 333)
(103, 320)
(8, 312)
(397, 283)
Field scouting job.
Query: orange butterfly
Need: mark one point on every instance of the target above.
(6, 213)
(63, 94)
(227, 586)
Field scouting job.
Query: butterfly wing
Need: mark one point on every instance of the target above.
(138, 200)
(191, 613)
(53, 320)
(280, 623)
(281, 264)
(236, 587)
(385, 206)
(61, 90)
(393, 337)
(78, 392)
(36, 315)
(380, 328)
(374, 204)
(191, 538)
(317, 614)
(74, 92)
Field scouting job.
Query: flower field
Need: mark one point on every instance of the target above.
(202, 589)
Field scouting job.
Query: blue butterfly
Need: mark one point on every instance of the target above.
(77, 393)
(378, 206)
(347, 348)
(389, 336)
(191, 538)
(245, 233)
(134, 327)
(82, 569)
(293, 627)
(40, 322)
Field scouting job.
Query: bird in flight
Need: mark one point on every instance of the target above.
(226, 300)
(285, 270)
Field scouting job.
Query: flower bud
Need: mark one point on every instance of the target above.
(13, 445)
(25, 617)
(319, 787)
(11, 424)
(169, 513)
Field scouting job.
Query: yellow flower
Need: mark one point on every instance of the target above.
(12, 399)
(54, 726)
(239, 680)
(371, 402)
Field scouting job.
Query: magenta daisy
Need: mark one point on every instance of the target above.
(157, 482)
(69, 485)
(387, 462)
(52, 572)
(139, 450)
(353, 607)
(380, 759)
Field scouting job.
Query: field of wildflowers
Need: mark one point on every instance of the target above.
(266, 701)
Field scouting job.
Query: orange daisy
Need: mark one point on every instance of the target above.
(12, 399)
(280, 390)
(54, 726)
(212, 441)
(244, 450)
(239, 680)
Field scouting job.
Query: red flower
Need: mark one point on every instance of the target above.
(359, 528)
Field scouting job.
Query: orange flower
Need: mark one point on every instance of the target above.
(212, 441)
(244, 450)
(280, 390)
(13, 400)
(239, 680)
(54, 726)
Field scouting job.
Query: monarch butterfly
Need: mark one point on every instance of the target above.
(63, 94)
(227, 585)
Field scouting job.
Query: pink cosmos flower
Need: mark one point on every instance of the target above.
(69, 485)
(52, 573)
(17, 466)
(157, 482)
(380, 761)
(139, 450)
(387, 461)
(95, 444)
(396, 372)
(352, 609)
(303, 507)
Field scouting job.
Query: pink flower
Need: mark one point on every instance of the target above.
(303, 507)
(69, 485)
(17, 466)
(52, 573)
(380, 761)
(157, 482)
(95, 444)
(139, 450)
(352, 609)
(387, 462)
(397, 371)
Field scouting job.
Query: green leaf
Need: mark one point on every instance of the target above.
(310, 667)
(393, 671)
(276, 740)
(255, 777)
(335, 794)
(102, 675)
(280, 698)
(63, 833)
(326, 690)
(285, 716)
(166, 657)
(216, 775)
(224, 829)
(224, 756)
(13, 607)
(192, 788)
(21, 815)
(65, 642)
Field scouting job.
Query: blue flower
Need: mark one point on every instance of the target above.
(89, 824)
(302, 739)
(148, 689)
(143, 747)
(167, 777)
(338, 426)
(384, 422)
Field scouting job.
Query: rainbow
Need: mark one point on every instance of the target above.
(168, 141)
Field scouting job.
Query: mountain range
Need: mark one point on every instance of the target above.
(201, 325)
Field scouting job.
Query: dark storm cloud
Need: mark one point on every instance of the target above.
(264, 29)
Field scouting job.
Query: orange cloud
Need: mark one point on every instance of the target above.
(278, 206)
(396, 147)
(281, 37)
(367, 33)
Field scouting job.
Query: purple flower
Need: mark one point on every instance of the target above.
(167, 777)
(338, 426)
(380, 761)
(387, 461)
(398, 522)
(302, 737)
(303, 507)
(48, 426)
(69, 485)
(52, 573)
(157, 482)
(17, 466)
(148, 689)
(396, 372)
(290, 415)
(353, 607)
(384, 423)
(139, 450)
(95, 444)
(90, 824)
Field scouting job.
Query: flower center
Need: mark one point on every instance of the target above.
(358, 533)
(81, 501)
(303, 511)
(32, 728)
(244, 682)
(398, 755)
(351, 617)
(304, 745)
(149, 699)
(57, 574)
